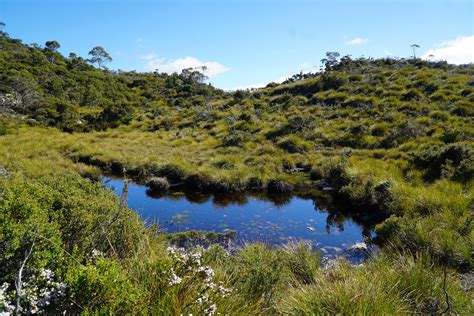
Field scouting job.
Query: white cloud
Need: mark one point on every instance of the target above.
(357, 41)
(170, 66)
(304, 67)
(251, 86)
(457, 51)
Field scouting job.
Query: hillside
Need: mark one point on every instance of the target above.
(393, 138)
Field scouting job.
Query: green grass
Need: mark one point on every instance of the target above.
(392, 137)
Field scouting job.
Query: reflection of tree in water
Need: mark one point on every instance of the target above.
(339, 212)
(281, 199)
(223, 199)
(335, 220)
(242, 198)
(197, 198)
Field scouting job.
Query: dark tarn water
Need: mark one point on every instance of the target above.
(253, 218)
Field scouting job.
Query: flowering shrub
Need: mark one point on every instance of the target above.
(194, 282)
(40, 293)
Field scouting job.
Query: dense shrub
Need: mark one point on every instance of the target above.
(453, 161)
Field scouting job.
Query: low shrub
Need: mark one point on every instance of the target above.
(453, 161)
(294, 144)
(158, 184)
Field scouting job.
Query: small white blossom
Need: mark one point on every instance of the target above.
(202, 299)
(96, 254)
(211, 310)
(174, 279)
(47, 274)
(224, 291)
(6, 306)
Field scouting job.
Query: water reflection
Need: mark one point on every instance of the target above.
(273, 219)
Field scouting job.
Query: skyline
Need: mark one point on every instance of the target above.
(269, 39)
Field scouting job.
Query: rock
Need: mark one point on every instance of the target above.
(323, 185)
(360, 246)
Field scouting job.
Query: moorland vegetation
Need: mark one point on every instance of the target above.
(393, 138)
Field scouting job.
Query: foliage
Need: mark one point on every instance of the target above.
(392, 137)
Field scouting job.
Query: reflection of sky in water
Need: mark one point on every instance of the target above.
(256, 220)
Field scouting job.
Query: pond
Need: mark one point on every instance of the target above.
(253, 217)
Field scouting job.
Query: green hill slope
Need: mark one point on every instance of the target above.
(392, 137)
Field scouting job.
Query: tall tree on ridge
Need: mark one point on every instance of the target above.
(414, 46)
(99, 56)
(51, 48)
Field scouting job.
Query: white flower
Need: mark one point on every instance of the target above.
(210, 285)
(96, 254)
(174, 279)
(47, 274)
(202, 299)
(196, 258)
(208, 271)
(4, 301)
(211, 310)
(224, 291)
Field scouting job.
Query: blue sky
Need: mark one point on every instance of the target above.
(244, 43)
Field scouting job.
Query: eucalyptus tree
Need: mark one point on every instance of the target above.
(51, 48)
(99, 56)
(331, 60)
(414, 47)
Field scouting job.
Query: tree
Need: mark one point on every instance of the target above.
(99, 56)
(194, 75)
(51, 48)
(331, 60)
(2, 34)
(414, 47)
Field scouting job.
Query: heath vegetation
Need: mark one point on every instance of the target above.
(392, 137)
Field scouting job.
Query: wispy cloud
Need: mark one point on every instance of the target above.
(357, 41)
(153, 62)
(457, 51)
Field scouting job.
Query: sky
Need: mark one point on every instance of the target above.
(244, 43)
